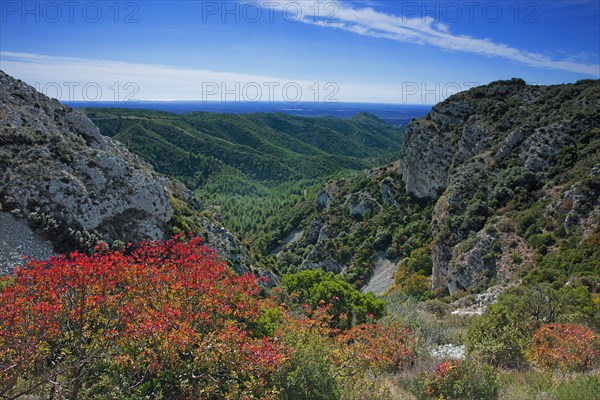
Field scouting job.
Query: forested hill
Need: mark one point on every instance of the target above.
(200, 147)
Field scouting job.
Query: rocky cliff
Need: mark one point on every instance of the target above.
(495, 154)
(495, 186)
(66, 186)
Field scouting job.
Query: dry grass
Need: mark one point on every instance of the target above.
(538, 385)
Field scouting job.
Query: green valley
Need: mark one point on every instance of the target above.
(259, 170)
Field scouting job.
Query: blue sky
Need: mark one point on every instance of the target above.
(310, 50)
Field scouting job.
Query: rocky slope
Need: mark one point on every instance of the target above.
(494, 186)
(73, 186)
(361, 227)
(493, 155)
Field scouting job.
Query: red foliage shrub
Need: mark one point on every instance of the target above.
(566, 347)
(169, 320)
(162, 307)
(374, 347)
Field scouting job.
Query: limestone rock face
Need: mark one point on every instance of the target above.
(426, 159)
(311, 236)
(322, 200)
(56, 162)
(389, 193)
(477, 149)
(17, 239)
(74, 186)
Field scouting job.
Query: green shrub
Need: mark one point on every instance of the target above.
(512, 180)
(412, 284)
(498, 338)
(309, 374)
(382, 240)
(419, 261)
(460, 380)
(516, 258)
(476, 214)
(575, 258)
(528, 220)
(503, 333)
(543, 239)
(268, 323)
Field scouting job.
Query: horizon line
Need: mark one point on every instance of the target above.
(241, 102)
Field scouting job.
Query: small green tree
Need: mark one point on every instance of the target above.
(498, 337)
(348, 305)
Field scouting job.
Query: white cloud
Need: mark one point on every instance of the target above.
(69, 78)
(80, 79)
(423, 31)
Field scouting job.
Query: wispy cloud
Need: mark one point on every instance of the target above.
(70, 78)
(80, 79)
(422, 31)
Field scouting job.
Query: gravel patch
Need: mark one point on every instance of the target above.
(17, 241)
(293, 237)
(453, 351)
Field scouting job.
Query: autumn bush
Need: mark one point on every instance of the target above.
(169, 320)
(564, 347)
(167, 314)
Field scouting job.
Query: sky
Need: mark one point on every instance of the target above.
(376, 51)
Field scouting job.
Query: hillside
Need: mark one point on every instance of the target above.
(514, 171)
(356, 225)
(199, 148)
(64, 186)
(496, 185)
